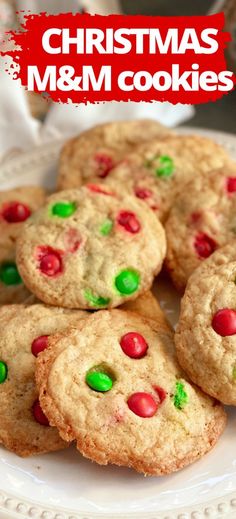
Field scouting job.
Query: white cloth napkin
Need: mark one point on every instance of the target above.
(19, 130)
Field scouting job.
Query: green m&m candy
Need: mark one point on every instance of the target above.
(96, 300)
(180, 397)
(3, 372)
(234, 373)
(9, 274)
(166, 167)
(106, 227)
(63, 209)
(127, 282)
(99, 381)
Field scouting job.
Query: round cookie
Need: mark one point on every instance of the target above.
(113, 385)
(95, 152)
(157, 171)
(12, 289)
(24, 429)
(88, 249)
(202, 220)
(16, 206)
(206, 334)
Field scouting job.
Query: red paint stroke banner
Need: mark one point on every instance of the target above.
(83, 58)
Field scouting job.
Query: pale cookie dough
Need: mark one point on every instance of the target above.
(113, 385)
(157, 171)
(95, 152)
(88, 249)
(147, 306)
(206, 334)
(24, 429)
(16, 206)
(202, 219)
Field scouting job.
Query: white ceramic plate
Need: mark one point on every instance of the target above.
(66, 486)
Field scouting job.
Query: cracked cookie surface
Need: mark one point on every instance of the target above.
(89, 249)
(157, 171)
(24, 429)
(16, 206)
(201, 221)
(113, 384)
(206, 334)
(95, 152)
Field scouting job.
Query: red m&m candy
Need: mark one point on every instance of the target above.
(50, 262)
(231, 184)
(195, 217)
(224, 322)
(129, 221)
(15, 212)
(39, 415)
(104, 164)
(72, 240)
(134, 345)
(39, 344)
(142, 404)
(142, 193)
(98, 189)
(161, 393)
(204, 245)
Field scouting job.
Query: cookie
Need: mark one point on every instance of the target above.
(202, 220)
(95, 152)
(113, 385)
(147, 306)
(24, 429)
(206, 334)
(88, 249)
(16, 206)
(157, 171)
(12, 289)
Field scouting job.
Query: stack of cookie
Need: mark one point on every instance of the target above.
(90, 357)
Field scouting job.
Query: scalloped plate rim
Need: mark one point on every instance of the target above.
(13, 506)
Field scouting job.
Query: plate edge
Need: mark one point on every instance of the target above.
(16, 508)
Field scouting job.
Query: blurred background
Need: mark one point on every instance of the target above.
(218, 115)
(222, 114)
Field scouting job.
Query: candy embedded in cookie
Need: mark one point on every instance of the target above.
(16, 206)
(127, 282)
(39, 344)
(15, 212)
(142, 404)
(63, 209)
(96, 152)
(9, 274)
(206, 333)
(162, 165)
(3, 371)
(103, 164)
(231, 185)
(25, 330)
(49, 261)
(201, 221)
(224, 322)
(134, 345)
(204, 245)
(124, 399)
(12, 289)
(88, 249)
(39, 415)
(98, 380)
(158, 171)
(129, 221)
